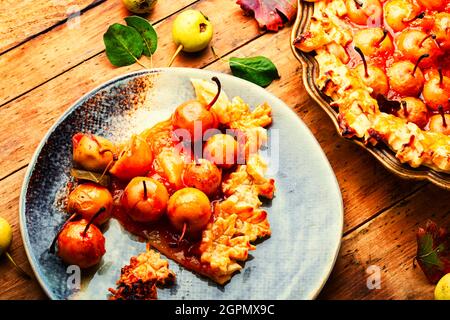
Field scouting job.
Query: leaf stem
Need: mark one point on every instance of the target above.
(217, 56)
(180, 47)
(26, 275)
(141, 63)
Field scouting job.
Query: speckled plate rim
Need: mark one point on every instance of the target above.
(22, 219)
(382, 153)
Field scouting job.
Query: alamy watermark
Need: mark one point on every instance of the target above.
(373, 281)
(74, 278)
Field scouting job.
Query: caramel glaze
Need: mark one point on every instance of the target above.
(161, 235)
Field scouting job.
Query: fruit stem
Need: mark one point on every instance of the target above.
(441, 112)
(425, 39)
(109, 165)
(419, 16)
(26, 275)
(441, 77)
(425, 55)
(182, 233)
(52, 246)
(219, 88)
(366, 70)
(358, 3)
(180, 47)
(145, 190)
(378, 43)
(405, 107)
(102, 209)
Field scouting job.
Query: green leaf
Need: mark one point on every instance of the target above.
(427, 254)
(259, 70)
(99, 178)
(146, 31)
(124, 45)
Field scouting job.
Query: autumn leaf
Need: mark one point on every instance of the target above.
(270, 14)
(433, 251)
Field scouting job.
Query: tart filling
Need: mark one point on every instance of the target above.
(385, 65)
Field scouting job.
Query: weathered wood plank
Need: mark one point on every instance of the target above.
(12, 284)
(65, 46)
(31, 115)
(20, 20)
(388, 242)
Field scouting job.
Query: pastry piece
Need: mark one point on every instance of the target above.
(139, 279)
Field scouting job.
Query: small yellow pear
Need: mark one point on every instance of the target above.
(5, 235)
(192, 30)
(442, 290)
(139, 6)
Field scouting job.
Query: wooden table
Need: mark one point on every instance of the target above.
(48, 61)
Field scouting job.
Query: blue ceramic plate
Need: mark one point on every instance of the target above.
(306, 215)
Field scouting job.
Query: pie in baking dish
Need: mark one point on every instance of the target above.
(386, 67)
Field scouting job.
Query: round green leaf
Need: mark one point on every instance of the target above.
(124, 45)
(259, 70)
(146, 31)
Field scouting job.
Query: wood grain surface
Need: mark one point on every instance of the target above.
(32, 17)
(47, 64)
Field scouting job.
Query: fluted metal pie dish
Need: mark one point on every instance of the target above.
(310, 71)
